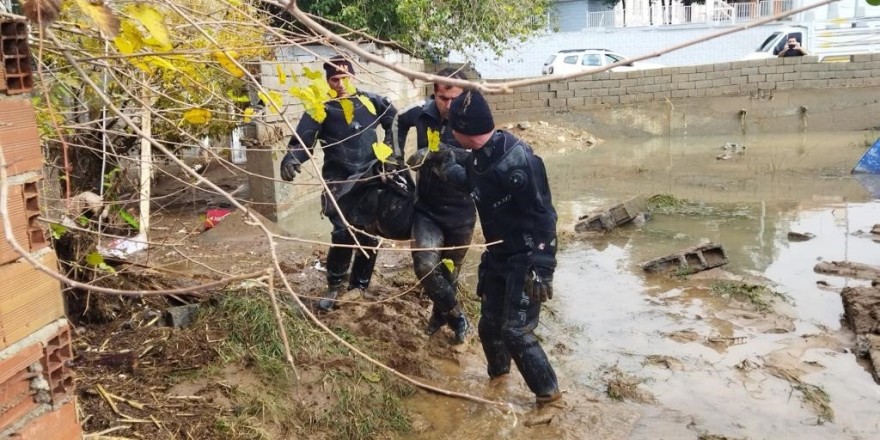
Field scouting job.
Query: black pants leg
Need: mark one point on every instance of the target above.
(439, 283)
(507, 323)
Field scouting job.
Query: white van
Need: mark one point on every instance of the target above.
(837, 39)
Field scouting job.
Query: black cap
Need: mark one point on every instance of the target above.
(469, 114)
(338, 65)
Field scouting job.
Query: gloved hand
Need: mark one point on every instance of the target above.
(290, 167)
(539, 284)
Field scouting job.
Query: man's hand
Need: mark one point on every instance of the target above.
(539, 284)
(290, 167)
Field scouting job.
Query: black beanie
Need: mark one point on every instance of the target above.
(469, 114)
(338, 66)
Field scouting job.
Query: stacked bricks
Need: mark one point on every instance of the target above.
(740, 78)
(36, 383)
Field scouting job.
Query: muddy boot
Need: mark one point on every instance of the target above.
(544, 401)
(326, 303)
(458, 323)
(435, 322)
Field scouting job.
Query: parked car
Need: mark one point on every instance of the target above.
(573, 60)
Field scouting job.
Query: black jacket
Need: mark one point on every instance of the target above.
(348, 147)
(510, 189)
(448, 205)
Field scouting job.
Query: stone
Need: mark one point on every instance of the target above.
(525, 125)
(800, 236)
(182, 316)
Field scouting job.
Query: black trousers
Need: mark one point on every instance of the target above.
(439, 283)
(507, 323)
(359, 208)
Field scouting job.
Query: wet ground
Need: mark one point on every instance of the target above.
(707, 366)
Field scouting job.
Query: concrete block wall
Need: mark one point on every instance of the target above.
(755, 78)
(36, 383)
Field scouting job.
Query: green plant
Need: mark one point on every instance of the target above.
(762, 297)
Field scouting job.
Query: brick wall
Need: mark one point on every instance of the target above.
(741, 78)
(36, 384)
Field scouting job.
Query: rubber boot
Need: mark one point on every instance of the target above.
(326, 303)
(543, 401)
(458, 323)
(435, 322)
(362, 271)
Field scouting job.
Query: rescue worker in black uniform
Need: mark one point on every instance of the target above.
(444, 215)
(509, 186)
(350, 170)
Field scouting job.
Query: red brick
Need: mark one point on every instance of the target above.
(36, 233)
(29, 299)
(57, 353)
(60, 424)
(19, 136)
(15, 57)
(16, 398)
(19, 221)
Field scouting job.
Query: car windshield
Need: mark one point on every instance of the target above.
(768, 43)
(550, 60)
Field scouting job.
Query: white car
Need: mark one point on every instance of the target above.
(573, 60)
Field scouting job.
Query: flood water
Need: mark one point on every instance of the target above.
(611, 315)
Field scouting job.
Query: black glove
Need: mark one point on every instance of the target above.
(539, 284)
(290, 167)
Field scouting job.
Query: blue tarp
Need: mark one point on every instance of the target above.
(870, 161)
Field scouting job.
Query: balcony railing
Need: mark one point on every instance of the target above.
(718, 12)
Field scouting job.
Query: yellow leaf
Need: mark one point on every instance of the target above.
(382, 151)
(248, 114)
(282, 77)
(367, 103)
(312, 74)
(102, 15)
(347, 110)
(160, 62)
(154, 22)
(273, 100)
(449, 264)
(371, 377)
(236, 3)
(349, 87)
(433, 140)
(129, 39)
(225, 59)
(197, 116)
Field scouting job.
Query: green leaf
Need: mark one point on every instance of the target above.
(133, 222)
(57, 231)
(347, 110)
(450, 265)
(82, 221)
(94, 259)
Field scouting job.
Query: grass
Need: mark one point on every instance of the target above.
(671, 205)
(364, 402)
(621, 386)
(817, 398)
(762, 297)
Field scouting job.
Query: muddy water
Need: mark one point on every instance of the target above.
(612, 315)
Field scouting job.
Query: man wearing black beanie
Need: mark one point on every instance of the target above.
(509, 185)
(349, 169)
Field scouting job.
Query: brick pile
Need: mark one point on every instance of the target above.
(36, 382)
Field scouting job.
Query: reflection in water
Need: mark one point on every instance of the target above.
(614, 315)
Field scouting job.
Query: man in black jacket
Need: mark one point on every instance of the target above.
(509, 186)
(444, 215)
(350, 172)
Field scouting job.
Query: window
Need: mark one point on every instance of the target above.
(550, 60)
(571, 59)
(612, 58)
(768, 43)
(592, 60)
